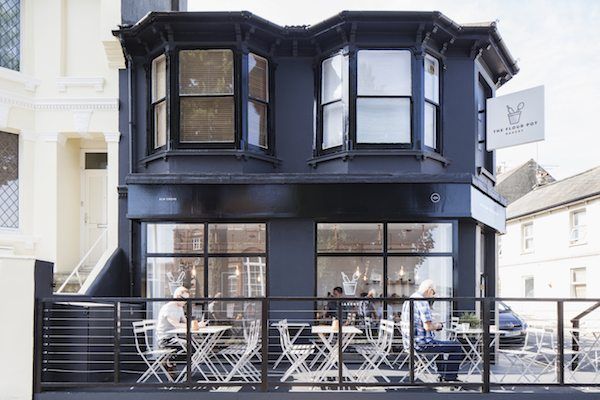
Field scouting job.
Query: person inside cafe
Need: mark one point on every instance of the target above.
(332, 306)
(171, 316)
(450, 353)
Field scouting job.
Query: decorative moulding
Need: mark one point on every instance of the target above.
(81, 120)
(29, 103)
(57, 137)
(114, 53)
(112, 137)
(65, 82)
(28, 135)
(4, 113)
(29, 82)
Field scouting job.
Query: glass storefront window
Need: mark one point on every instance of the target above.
(175, 238)
(349, 238)
(237, 277)
(355, 275)
(405, 274)
(165, 274)
(236, 238)
(420, 238)
(232, 265)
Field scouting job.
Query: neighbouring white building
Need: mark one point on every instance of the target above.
(552, 243)
(59, 136)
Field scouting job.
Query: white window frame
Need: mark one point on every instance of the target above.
(574, 284)
(524, 239)
(154, 102)
(525, 279)
(579, 230)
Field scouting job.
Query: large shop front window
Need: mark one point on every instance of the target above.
(384, 260)
(216, 260)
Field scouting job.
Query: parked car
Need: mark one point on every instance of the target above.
(513, 325)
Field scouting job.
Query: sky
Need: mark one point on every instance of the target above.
(556, 43)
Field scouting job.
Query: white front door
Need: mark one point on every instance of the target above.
(93, 206)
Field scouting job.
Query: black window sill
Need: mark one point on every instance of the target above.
(348, 155)
(240, 155)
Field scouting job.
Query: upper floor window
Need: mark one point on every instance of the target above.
(527, 237)
(578, 283)
(484, 159)
(206, 96)
(432, 101)
(206, 106)
(366, 101)
(159, 101)
(10, 34)
(528, 286)
(578, 227)
(383, 96)
(9, 180)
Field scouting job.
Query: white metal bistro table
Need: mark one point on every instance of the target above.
(328, 334)
(300, 326)
(588, 350)
(204, 339)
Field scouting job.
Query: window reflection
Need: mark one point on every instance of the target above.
(165, 274)
(237, 238)
(350, 237)
(355, 275)
(420, 238)
(175, 238)
(237, 277)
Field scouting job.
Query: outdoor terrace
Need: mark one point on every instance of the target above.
(288, 345)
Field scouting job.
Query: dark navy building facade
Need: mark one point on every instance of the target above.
(260, 160)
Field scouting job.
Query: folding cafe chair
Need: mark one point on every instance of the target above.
(154, 359)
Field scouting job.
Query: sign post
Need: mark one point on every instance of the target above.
(515, 118)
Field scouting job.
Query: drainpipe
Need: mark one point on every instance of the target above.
(131, 129)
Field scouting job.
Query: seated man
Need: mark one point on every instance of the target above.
(171, 316)
(424, 335)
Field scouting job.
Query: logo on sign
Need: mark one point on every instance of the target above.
(515, 116)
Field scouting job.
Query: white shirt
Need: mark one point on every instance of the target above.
(170, 310)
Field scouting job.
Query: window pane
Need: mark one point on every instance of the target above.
(258, 77)
(165, 274)
(159, 78)
(96, 160)
(384, 72)
(528, 284)
(174, 238)
(9, 180)
(579, 291)
(10, 34)
(160, 124)
(206, 72)
(237, 277)
(349, 237)
(405, 274)
(578, 218)
(432, 79)
(430, 125)
(333, 125)
(205, 120)
(383, 120)
(355, 275)
(257, 124)
(578, 275)
(420, 238)
(332, 79)
(237, 238)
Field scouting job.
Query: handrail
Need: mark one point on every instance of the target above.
(575, 324)
(75, 271)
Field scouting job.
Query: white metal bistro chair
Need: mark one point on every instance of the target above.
(296, 354)
(425, 367)
(154, 359)
(240, 358)
(376, 353)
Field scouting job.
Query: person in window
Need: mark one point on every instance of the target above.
(171, 316)
(424, 334)
(332, 306)
(367, 308)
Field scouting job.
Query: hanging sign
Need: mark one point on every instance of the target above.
(515, 118)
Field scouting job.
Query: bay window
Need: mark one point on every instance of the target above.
(432, 101)
(159, 101)
(206, 95)
(258, 100)
(333, 87)
(383, 96)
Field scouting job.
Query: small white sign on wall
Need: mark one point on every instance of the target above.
(515, 118)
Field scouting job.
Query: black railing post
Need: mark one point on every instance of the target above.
(38, 345)
(486, 316)
(411, 326)
(561, 342)
(340, 344)
(117, 342)
(188, 340)
(264, 384)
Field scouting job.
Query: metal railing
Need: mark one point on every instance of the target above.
(309, 343)
(77, 271)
